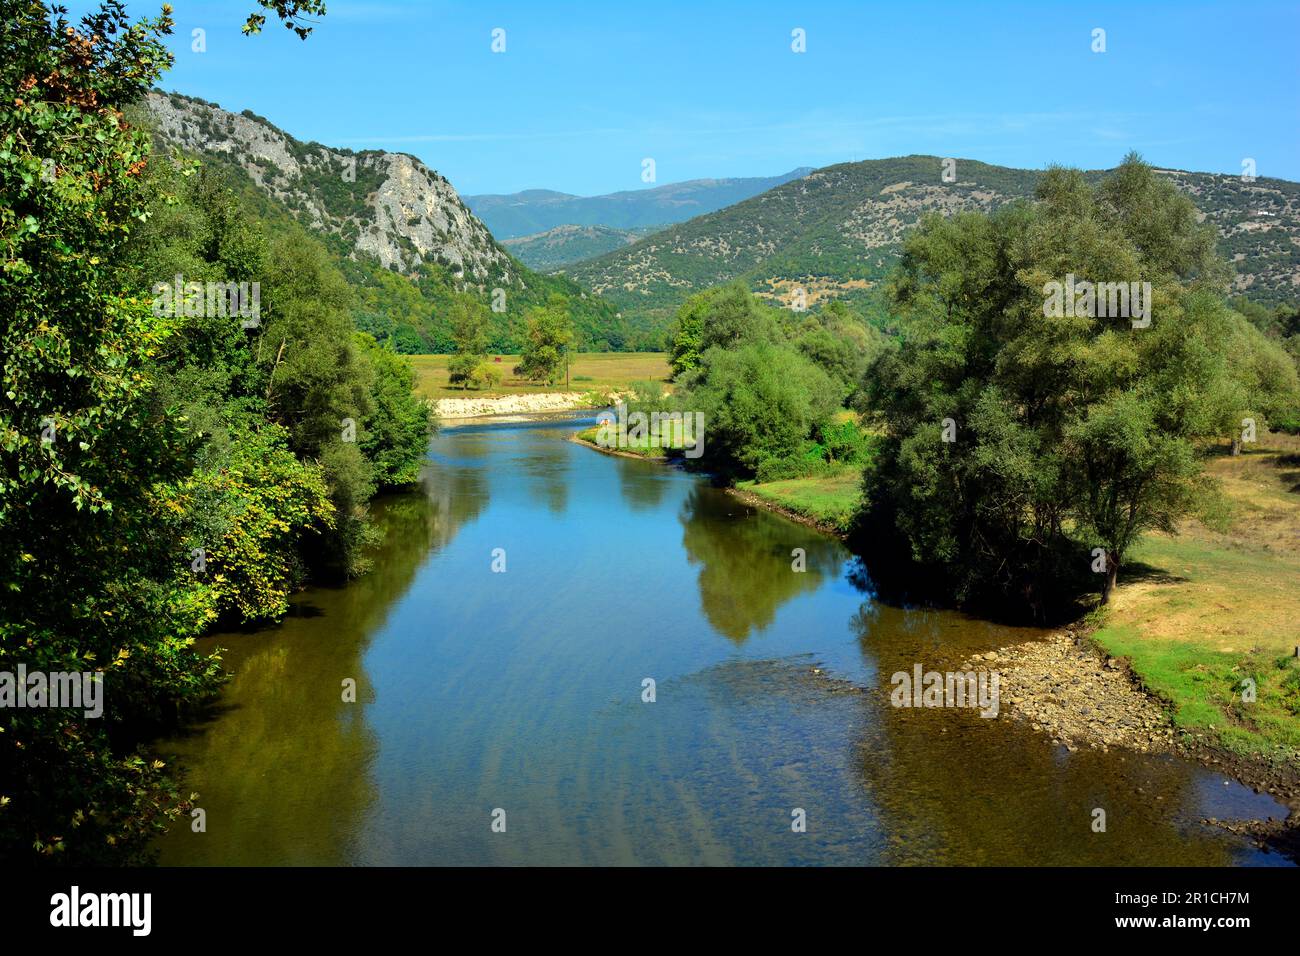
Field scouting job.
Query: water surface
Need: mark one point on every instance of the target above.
(522, 691)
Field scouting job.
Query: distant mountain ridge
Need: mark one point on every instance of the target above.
(838, 231)
(565, 245)
(538, 210)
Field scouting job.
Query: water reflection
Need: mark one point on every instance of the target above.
(455, 492)
(283, 768)
(953, 788)
(523, 691)
(746, 560)
(644, 487)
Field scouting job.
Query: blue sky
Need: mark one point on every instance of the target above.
(585, 91)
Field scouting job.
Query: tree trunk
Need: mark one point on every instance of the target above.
(1112, 573)
(1236, 445)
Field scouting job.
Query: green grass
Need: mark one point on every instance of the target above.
(1206, 688)
(1198, 614)
(647, 446)
(830, 499)
(590, 371)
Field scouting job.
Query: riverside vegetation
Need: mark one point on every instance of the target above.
(161, 471)
(1080, 447)
(166, 472)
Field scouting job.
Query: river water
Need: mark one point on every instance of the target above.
(517, 697)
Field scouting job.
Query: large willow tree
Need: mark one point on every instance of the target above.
(1029, 445)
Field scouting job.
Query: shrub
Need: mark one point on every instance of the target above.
(485, 375)
(760, 402)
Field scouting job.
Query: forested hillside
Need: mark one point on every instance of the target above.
(396, 229)
(838, 231)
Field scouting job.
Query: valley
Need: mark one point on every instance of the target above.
(919, 510)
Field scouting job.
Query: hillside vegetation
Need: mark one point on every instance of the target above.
(395, 228)
(839, 231)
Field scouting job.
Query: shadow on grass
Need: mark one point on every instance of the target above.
(1290, 478)
(1135, 572)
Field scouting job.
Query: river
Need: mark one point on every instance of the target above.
(516, 696)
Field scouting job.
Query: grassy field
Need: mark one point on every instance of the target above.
(591, 371)
(1200, 613)
(829, 499)
(648, 446)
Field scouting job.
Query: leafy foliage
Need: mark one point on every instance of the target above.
(160, 469)
(249, 518)
(93, 574)
(1070, 431)
(469, 332)
(547, 342)
(767, 391)
(290, 12)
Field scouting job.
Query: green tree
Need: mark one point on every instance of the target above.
(842, 344)
(1262, 379)
(727, 317)
(93, 573)
(1015, 434)
(760, 402)
(546, 344)
(248, 518)
(318, 387)
(396, 432)
(470, 322)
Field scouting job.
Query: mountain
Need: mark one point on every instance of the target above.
(838, 231)
(389, 205)
(565, 245)
(400, 232)
(539, 210)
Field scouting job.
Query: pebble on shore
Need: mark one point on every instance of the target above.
(1061, 687)
(449, 408)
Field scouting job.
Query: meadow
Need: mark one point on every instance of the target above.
(590, 371)
(1202, 613)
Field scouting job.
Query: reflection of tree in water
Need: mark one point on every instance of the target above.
(953, 788)
(746, 572)
(643, 485)
(284, 774)
(456, 495)
(548, 478)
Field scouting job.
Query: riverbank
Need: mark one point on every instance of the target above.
(825, 502)
(525, 404)
(1063, 687)
(1207, 618)
(1161, 668)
